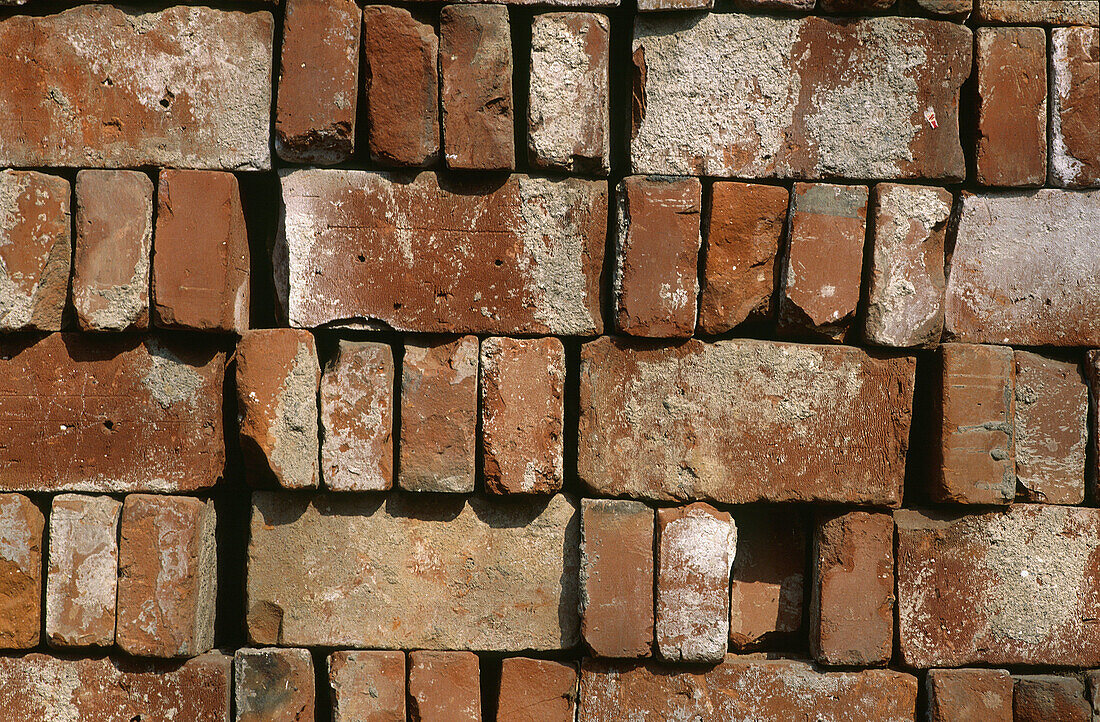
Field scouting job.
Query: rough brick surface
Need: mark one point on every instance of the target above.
(652, 5)
(21, 543)
(1074, 94)
(444, 687)
(768, 578)
(853, 6)
(1039, 12)
(955, 9)
(536, 690)
(1092, 369)
(367, 686)
(357, 417)
(273, 685)
(969, 694)
(1039, 697)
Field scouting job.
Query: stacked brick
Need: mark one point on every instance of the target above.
(457, 362)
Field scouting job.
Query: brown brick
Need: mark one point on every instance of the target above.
(1074, 97)
(955, 695)
(273, 685)
(652, 5)
(774, 4)
(1039, 12)
(357, 417)
(367, 686)
(536, 690)
(444, 687)
(958, 10)
(21, 525)
(1012, 106)
(1092, 367)
(1044, 697)
(768, 578)
(200, 262)
(854, 6)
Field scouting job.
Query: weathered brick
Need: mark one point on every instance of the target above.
(958, 10)
(318, 81)
(1092, 368)
(1043, 697)
(536, 690)
(768, 577)
(657, 256)
(700, 421)
(166, 555)
(357, 417)
(651, 5)
(522, 414)
(568, 126)
(444, 687)
(969, 694)
(616, 577)
(905, 293)
(35, 248)
(1092, 680)
(21, 525)
(101, 87)
(278, 375)
(1039, 12)
(367, 686)
(438, 415)
(475, 69)
(497, 575)
(117, 413)
(543, 3)
(854, 6)
(1024, 270)
(1074, 97)
(114, 239)
(773, 97)
(774, 4)
(524, 256)
(200, 263)
(82, 576)
(273, 685)
(1014, 587)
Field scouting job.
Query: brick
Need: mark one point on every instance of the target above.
(40, 688)
(1092, 679)
(1052, 404)
(1031, 590)
(852, 605)
(97, 86)
(367, 686)
(974, 450)
(1092, 369)
(438, 415)
(695, 545)
(958, 10)
(153, 423)
(820, 285)
(498, 575)
(21, 525)
(475, 69)
(969, 694)
(652, 5)
(536, 690)
(1040, 697)
(114, 239)
(35, 248)
(774, 4)
(1074, 89)
(721, 436)
(444, 687)
(278, 375)
(357, 417)
(273, 685)
(854, 6)
(744, 688)
(905, 293)
(540, 3)
(767, 579)
(82, 576)
(318, 81)
(657, 256)
(617, 581)
(166, 553)
(771, 97)
(1039, 241)
(200, 264)
(1039, 12)
(519, 257)
(522, 414)
(401, 55)
(742, 236)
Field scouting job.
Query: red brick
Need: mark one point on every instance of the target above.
(21, 525)
(1043, 697)
(1074, 96)
(1039, 12)
(657, 256)
(444, 687)
(200, 263)
(536, 690)
(1012, 106)
(273, 685)
(767, 579)
(367, 686)
(969, 694)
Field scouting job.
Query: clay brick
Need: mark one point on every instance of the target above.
(774, 4)
(98, 86)
(1040, 241)
(1074, 97)
(166, 553)
(438, 415)
(114, 238)
(40, 688)
(1092, 368)
(200, 262)
(617, 582)
(652, 5)
(83, 572)
(318, 81)
(695, 545)
(35, 248)
(278, 375)
(519, 257)
(444, 687)
(743, 230)
(1051, 423)
(958, 10)
(1030, 594)
(568, 126)
(1042, 697)
(905, 293)
(725, 439)
(402, 87)
(773, 97)
(768, 577)
(1092, 680)
(367, 686)
(357, 417)
(657, 256)
(969, 694)
(854, 6)
(1039, 12)
(475, 68)
(273, 685)
(522, 414)
(446, 572)
(536, 690)
(21, 525)
(116, 413)
(852, 605)
(820, 286)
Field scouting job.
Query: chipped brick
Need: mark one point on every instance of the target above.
(21, 526)
(444, 687)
